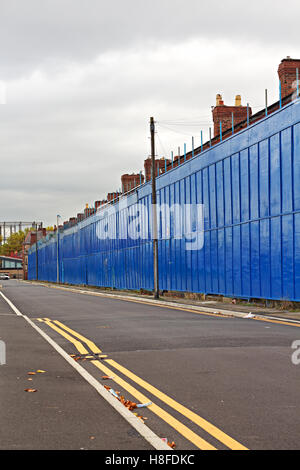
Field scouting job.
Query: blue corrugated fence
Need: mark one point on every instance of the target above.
(249, 185)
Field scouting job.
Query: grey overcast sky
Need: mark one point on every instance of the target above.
(82, 78)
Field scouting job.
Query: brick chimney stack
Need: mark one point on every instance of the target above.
(88, 211)
(113, 196)
(72, 221)
(224, 113)
(287, 71)
(131, 181)
(159, 167)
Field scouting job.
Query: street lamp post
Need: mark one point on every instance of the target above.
(154, 214)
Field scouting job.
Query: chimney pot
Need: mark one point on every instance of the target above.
(219, 100)
(238, 100)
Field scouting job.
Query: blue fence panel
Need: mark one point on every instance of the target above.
(249, 185)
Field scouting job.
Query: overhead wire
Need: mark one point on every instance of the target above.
(174, 130)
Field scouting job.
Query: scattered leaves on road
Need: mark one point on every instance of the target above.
(131, 405)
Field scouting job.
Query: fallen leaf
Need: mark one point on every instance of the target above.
(30, 390)
(142, 418)
(31, 373)
(92, 438)
(29, 379)
(129, 404)
(41, 371)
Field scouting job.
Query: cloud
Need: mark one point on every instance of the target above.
(82, 82)
(35, 32)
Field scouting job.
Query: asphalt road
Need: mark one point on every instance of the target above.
(216, 382)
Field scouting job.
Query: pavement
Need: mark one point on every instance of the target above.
(214, 381)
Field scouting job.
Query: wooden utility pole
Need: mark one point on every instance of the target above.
(154, 212)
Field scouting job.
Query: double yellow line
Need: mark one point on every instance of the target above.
(205, 425)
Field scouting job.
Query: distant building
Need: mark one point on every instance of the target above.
(12, 265)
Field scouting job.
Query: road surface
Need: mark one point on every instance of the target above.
(214, 382)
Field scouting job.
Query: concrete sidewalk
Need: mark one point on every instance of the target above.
(65, 412)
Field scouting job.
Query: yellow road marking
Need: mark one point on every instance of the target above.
(206, 425)
(277, 321)
(201, 422)
(89, 343)
(177, 425)
(76, 343)
(181, 428)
